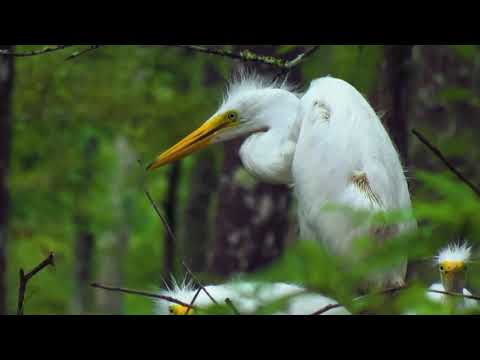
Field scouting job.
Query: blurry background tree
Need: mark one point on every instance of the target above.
(79, 127)
(6, 90)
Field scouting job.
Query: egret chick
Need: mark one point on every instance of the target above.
(248, 298)
(452, 264)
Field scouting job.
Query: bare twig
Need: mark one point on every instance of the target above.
(230, 304)
(455, 294)
(326, 308)
(246, 55)
(142, 293)
(300, 58)
(199, 283)
(164, 221)
(192, 303)
(24, 279)
(452, 168)
(392, 290)
(84, 51)
(45, 50)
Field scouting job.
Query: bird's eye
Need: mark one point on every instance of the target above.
(442, 268)
(232, 116)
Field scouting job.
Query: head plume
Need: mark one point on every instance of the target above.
(454, 252)
(244, 80)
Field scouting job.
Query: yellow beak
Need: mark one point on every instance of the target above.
(197, 140)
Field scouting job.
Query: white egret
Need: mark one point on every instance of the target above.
(452, 262)
(328, 144)
(248, 298)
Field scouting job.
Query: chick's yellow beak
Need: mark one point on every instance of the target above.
(452, 266)
(197, 140)
(180, 310)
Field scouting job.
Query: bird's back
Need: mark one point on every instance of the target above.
(345, 157)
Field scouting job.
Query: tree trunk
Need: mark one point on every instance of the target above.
(203, 183)
(84, 250)
(170, 207)
(115, 243)
(252, 218)
(6, 91)
(393, 95)
(85, 239)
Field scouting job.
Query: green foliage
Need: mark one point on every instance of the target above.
(150, 97)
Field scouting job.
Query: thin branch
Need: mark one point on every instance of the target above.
(230, 304)
(199, 283)
(246, 55)
(24, 279)
(455, 294)
(164, 221)
(392, 290)
(300, 58)
(84, 51)
(326, 308)
(452, 168)
(45, 50)
(142, 293)
(192, 303)
(295, 62)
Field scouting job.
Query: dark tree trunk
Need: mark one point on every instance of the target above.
(6, 90)
(393, 95)
(439, 68)
(85, 238)
(170, 207)
(203, 183)
(84, 250)
(252, 219)
(197, 232)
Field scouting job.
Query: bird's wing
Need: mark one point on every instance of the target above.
(469, 303)
(436, 296)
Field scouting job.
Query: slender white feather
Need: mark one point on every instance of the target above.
(455, 252)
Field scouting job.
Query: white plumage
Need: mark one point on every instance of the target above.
(249, 297)
(328, 144)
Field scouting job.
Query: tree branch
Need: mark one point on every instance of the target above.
(246, 55)
(199, 283)
(392, 290)
(45, 50)
(300, 58)
(326, 308)
(230, 304)
(142, 293)
(24, 279)
(84, 51)
(452, 168)
(164, 221)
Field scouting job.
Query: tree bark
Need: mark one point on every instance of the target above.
(6, 91)
(170, 206)
(85, 238)
(252, 220)
(203, 182)
(393, 95)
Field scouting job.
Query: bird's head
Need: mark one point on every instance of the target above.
(252, 105)
(452, 263)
